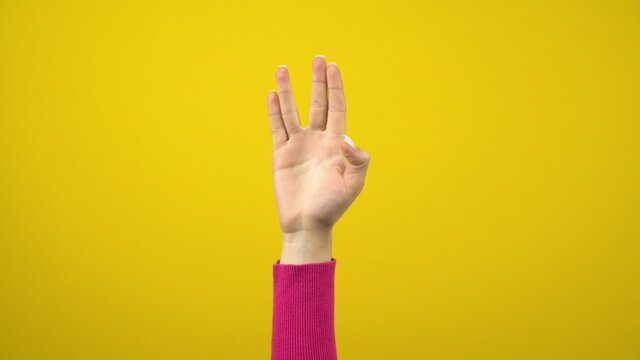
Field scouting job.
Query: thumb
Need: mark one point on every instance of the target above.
(358, 158)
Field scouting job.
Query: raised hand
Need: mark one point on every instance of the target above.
(317, 170)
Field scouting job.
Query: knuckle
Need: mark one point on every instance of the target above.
(318, 104)
(337, 108)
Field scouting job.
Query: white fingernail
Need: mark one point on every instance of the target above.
(322, 56)
(349, 141)
(282, 66)
(332, 63)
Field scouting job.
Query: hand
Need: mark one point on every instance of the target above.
(317, 173)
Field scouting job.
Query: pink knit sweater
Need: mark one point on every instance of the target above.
(303, 312)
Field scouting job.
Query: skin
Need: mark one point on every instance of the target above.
(316, 174)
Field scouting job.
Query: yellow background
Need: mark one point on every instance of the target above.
(501, 214)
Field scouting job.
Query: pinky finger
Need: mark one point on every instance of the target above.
(278, 131)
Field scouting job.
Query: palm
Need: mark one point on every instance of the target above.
(309, 180)
(316, 175)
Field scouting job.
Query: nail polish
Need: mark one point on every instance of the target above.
(282, 66)
(322, 56)
(349, 141)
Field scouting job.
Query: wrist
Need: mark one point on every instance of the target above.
(306, 246)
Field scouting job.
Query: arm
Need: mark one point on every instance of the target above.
(318, 172)
(303, 312)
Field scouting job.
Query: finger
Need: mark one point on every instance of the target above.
(336, 119)
(358, 160)
(278, 131)
(287, 104)
(318, 109)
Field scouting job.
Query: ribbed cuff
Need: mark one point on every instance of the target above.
(303, 311)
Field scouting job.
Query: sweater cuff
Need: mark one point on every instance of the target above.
(303, 311)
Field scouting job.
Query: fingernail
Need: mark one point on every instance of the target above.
(282, 66)
(332, 63)
(349, 141)
(322, 56)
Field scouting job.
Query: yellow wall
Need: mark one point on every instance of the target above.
(501, 215)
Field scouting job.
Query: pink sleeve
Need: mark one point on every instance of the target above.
(303, 312)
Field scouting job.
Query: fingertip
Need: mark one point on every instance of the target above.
(282, 72)
(333, 71)
(366, 155)
(273, 101)
(319, 63)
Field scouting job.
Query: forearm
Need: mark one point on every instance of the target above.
(303, 300)
(303, 311)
